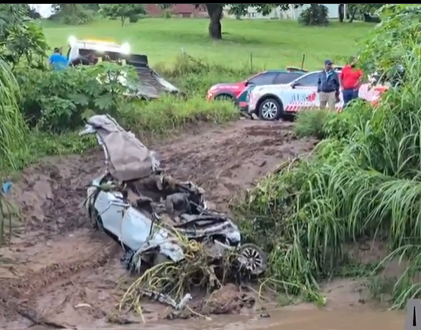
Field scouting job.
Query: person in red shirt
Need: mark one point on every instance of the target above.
(350, 81)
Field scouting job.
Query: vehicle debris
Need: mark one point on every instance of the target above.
(168, 234)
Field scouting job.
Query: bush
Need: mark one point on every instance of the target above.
(311, 123)
(134, 19)
(316, 15)
(59, 101)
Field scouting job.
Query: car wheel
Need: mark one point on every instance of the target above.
(253, 259)
(270, 109)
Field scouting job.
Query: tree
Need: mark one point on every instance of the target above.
(315, 15)
(341, 12)
(215, 12)
(20, 37)
(71, 13)
(121, 11)
(362, 9)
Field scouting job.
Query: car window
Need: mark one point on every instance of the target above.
(309, 80)
(265, 78)
(286, 77)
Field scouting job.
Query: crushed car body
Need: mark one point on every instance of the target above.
(150, 213)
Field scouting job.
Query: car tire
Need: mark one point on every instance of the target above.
(270, 109)
(254, 259)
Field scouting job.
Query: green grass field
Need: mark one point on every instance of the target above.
(269, 43)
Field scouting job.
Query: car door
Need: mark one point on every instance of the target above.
(111, 208)
(308, 81)
(264, 78)
(305, 92)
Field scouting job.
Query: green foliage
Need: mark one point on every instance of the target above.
(170, 113)
(380, 49)
(358, 10)
(20, 38)
(72, 14)
(13, 131)
(311, 123)
(363, 180)
(315, 15)
(322, 124)
(195, 76)
(59, 100)
(122, 11)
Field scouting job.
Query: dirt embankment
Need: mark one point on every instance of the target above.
(67, 273)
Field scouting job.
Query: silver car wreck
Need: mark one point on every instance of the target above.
(134, 201)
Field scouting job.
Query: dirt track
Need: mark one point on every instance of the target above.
(59, 263)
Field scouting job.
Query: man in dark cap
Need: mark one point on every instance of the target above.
(57, 60)
(328, 87)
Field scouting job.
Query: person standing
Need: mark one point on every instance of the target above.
(57, 60)
(328, 87)
(350, 81)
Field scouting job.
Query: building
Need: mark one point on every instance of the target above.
(182, 10)
(288, 14)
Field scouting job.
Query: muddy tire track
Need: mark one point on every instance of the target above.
(57, 257)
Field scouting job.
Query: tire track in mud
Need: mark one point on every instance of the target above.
(60, 259)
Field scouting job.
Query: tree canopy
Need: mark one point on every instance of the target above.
(121, 11)
(215, 12)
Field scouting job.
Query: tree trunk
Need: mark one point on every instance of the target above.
(215, 16)
(354, 12)
(341, 12)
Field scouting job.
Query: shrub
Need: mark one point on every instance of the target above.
(316, 14)
(134, 19)
(58, 101)
(311, 123)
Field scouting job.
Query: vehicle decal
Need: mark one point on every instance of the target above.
(305, 97)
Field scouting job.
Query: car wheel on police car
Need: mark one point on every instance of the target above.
(270, 109)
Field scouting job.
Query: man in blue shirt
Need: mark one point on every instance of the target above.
(328, 87)
(57, 60)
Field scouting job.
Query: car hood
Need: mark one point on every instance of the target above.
(226, 85)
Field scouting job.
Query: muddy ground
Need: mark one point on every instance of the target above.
(60, 268)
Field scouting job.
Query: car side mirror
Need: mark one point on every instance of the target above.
(294, 84)
(247, 83)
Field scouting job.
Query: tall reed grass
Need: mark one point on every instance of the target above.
(365, 182)
(13, 137)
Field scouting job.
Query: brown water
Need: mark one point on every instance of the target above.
(294, 320)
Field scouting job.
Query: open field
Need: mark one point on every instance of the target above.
(270, 43)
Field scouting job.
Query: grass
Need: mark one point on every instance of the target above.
(256, 43)
(362, 181)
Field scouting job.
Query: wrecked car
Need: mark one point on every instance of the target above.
(147, 211)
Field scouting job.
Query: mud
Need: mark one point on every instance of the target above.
(60, 271)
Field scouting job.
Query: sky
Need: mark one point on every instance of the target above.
(43, 9)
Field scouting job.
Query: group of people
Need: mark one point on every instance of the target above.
(330, 84)
(59, 62)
